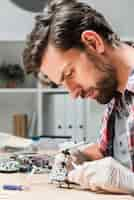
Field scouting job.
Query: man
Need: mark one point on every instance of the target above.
(74, 46)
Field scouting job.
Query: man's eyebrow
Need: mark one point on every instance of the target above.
(62, 77)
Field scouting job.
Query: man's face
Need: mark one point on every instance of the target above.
(81, 75)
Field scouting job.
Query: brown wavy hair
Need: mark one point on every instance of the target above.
(62, 23)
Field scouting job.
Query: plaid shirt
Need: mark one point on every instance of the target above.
(108, 125)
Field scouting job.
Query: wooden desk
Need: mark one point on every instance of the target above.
(41, 190)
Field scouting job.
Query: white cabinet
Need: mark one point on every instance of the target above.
(63, 116)
(70, 116)
(53, 112)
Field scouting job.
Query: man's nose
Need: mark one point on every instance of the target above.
(73, 89)
(76, 93)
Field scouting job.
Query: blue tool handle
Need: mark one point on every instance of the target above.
(12, 187)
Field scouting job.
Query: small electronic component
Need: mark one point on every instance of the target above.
(59, 171)
(26, 163)
(42, 162)
(9, 166)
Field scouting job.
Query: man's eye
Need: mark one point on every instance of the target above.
(68, 74)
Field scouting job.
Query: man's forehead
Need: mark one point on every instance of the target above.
(54, 73)
(50, 63)
(59, 57)
(54, 62)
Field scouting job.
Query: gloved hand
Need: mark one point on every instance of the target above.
(106, 175)
(64, 163)
(65, 160)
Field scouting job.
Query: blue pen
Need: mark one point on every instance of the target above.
(14, 187)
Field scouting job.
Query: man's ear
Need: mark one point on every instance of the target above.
(93, 41)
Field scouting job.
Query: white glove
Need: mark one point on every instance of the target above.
(106, 175)
(63, 164)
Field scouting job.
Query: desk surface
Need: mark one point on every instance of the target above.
(40, 189)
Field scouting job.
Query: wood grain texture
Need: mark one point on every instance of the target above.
(40, 189)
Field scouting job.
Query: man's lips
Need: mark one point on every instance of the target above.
(76, 93)
(91, 94)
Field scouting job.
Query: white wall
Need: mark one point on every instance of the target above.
(15, 23)
(120, 14)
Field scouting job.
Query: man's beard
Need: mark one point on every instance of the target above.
(107, 86)
(106, 89)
